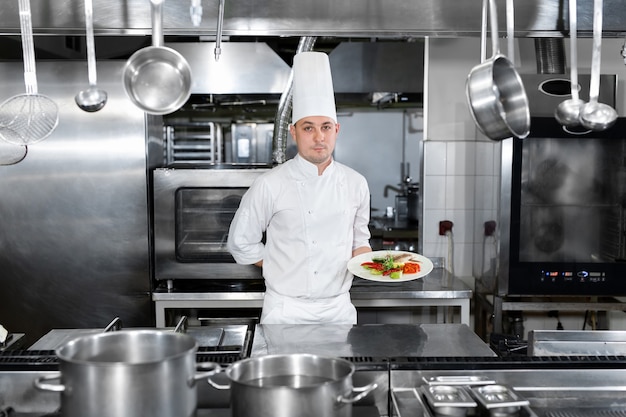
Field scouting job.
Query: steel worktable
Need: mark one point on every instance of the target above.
(438, 289)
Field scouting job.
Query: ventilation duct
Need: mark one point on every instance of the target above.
(550, 54)
(283, 114)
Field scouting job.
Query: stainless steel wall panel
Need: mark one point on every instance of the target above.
(73, 214)
(390, 18)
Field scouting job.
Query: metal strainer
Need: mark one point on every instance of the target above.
(31, 117)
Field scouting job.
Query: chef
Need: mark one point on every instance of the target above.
(313, 210)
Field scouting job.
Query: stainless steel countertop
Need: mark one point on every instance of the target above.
(370, 340)
(438, 284)
(576, 342)
(206, 336)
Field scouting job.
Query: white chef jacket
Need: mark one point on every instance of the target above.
(313, 222)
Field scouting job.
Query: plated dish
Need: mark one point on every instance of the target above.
(355, 265)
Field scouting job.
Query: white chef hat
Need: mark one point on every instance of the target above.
(313, 93)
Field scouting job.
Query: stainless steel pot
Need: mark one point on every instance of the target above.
(301, 385)
(128, 373)
(496, 94)
(157, 79)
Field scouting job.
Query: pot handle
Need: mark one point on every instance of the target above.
(216, 385)
(364, 391)
(207, 368)
(43, 386)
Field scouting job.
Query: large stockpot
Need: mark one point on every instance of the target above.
(128, 373)
(302, 385)
(496, 94)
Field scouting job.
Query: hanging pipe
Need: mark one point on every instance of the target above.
(283, 113)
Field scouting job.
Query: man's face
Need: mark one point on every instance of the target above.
(315, 137)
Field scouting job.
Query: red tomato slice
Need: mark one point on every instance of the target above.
(411, 268)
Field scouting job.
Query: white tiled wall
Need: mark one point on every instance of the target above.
(460, 166)
(461, 181)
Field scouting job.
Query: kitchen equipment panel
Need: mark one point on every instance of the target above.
(532, 389)
(193, 209)
(250, 143)
(568, 217)
(562, 221)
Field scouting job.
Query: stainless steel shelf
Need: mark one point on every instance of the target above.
(438, 289)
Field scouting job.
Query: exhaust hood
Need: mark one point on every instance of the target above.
(368, 18)
(249, 77)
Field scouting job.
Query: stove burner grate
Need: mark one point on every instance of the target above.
(587, 413)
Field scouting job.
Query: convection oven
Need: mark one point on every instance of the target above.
(563, 201)
(193, 209)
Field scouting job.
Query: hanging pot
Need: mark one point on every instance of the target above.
(128, 373)
(157, 79)
(11, 154)
(289, 385)
(495, 93)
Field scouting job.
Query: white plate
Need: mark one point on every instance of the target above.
(354, 266)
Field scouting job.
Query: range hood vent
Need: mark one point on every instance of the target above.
(251, 74)
(372, 67)
(243, 68)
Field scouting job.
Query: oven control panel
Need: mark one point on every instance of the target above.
(572, 276)
(562, 279)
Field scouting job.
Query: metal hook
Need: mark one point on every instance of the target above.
(218, 39)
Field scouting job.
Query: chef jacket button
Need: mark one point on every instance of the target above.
(314, 272)
(314, 242)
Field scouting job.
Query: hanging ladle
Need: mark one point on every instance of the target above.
(595, 115)
(567, 112)
(92, 98)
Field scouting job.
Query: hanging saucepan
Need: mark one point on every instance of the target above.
(495, 93)
(11, 154)
(157, 78)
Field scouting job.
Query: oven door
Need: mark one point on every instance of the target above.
(193, 209)
(567, 234)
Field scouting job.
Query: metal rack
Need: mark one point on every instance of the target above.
(192, 142)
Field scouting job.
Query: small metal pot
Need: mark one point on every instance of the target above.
(128, 373)
(496, 94)
(301, 385)
(157, 79)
